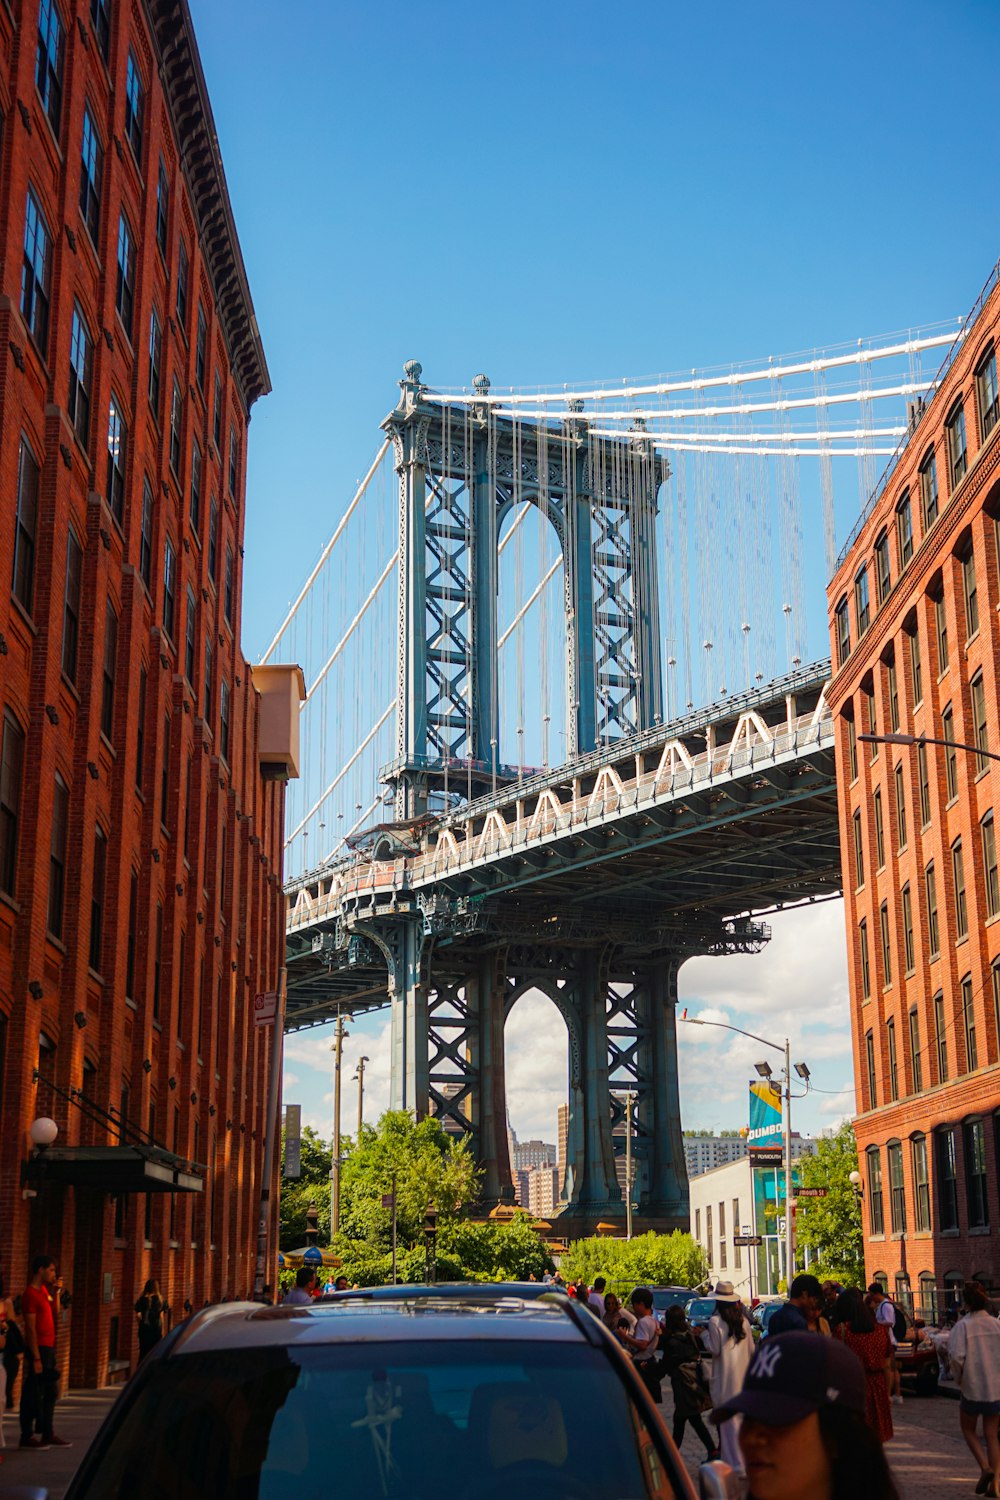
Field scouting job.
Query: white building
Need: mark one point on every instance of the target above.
(722, 1206)
(543, 1192)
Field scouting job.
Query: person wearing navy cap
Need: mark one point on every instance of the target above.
(804, 1434)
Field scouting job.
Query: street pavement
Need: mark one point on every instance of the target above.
(927, 1454)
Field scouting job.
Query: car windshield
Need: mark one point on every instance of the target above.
(701, 1307)
(663, 1298)
(378, 1421)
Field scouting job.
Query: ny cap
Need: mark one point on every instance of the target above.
(793, 1374)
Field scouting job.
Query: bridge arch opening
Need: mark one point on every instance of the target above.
(537, 1073)
(531, 639)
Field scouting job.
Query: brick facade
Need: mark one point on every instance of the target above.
(141, 998)
(925, 996)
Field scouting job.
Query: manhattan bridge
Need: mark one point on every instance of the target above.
(562, 729)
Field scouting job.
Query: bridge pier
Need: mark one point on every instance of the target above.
(410, 1081)
(666, 1195)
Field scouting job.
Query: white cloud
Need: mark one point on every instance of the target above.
(537, 1063)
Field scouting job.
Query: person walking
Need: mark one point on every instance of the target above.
(854, 1324)
(887, 1313)
(680, 1361)
(729, 1341)
(642, 1341)
(804, 1434)
(10, 1354)
(300, 1295)
(150, 1313)
(39, 1308)
(802, 1310)
(596, 1298)
(616, 1317)
(974, 1355)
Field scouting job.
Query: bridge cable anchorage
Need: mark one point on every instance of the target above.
(859, 356)
(383, 450)
(340, 774)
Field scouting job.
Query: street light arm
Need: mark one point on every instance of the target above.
(724, 1026)
(926, 739)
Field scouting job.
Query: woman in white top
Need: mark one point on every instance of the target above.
(974, 1356)
(730, 1343)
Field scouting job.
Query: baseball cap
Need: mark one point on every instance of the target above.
(793, 1374)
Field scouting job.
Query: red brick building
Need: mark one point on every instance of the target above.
(916, 646)
(141, 906)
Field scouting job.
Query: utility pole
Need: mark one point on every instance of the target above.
(629, 1164)
(789, 1217)
(360, 1076)
(337, 1049)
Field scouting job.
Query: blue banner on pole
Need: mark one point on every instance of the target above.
(764, 1138)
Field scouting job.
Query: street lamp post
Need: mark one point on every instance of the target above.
(337, 1048)
(360, 1076)
(629, 1164)
(765, 1072)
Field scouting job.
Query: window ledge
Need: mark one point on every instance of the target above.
(50, 937)
(7, 900)
(131, 1004)
(70, 687)
(157, 1025)
(960, 941)
(95, 975)
(979, 1229)
(949, 1234)
(25, 617)
(969, 641)
(980, 774)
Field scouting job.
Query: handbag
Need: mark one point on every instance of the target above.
(690, 1376)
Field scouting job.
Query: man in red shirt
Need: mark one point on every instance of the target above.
(39, 1305)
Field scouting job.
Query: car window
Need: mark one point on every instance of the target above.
(701, 1307)
(378, 1421)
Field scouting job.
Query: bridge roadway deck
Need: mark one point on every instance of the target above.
(727, 813)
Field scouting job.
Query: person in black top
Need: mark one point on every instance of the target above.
(680, 1361)
(150, 1312)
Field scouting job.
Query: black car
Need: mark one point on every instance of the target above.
(478, 1392)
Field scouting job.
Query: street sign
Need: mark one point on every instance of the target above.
(811, 1192)
(387, 1200)
(748, 1239)
(265, 1008)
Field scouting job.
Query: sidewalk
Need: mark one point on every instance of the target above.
(78, 1416)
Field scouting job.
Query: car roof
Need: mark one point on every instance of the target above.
(391, 1314)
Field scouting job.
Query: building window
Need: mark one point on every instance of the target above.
(25, 527)
(130, 947)
(900, 805)
(169, 587)
(155, 360)
(883, 576)
(921, 1185)
(975, 1174)
(125, 284)
(157, 960)
(987, 391)
(907, 906)
(234, 462)
(208, 684)
(100, 19)
(930, 886)
(969, 1024)
(929, 490)
(893, 686)
(924, 786)
(110, 665)
(135, 100)
(958, 874)
(870, 1066)
(189, 636)
(866, 985)
(958, 459)
(941, 1038)
(146, 534)
(915, 1057)
(165, 773)
(862, 609)
(879, 832)
(140, 731)
(904, 530)
(843, 632)
(228, 591)
(992, 881)
(195, 507)
(213, 541)
(950, 754)
(897, 1193)
(182, 285)
(852, 749)
(176, 423)
(947, 1175)
(970, 593)
(872, 717)
(217, 414)
(859, 853)
(708, 1234)
(49, 62)
(11, 767)
(224, 720)
(71, 607)
(995, 978)
(941, 627)
(883, 921)
(36, 272)
(916, 667)
(977, 694)
(81, 358)
(57, 857)
(876, 1219)
(117, 442)
(201, 339)
(890, 1038)
(91, 174)
(97, 898)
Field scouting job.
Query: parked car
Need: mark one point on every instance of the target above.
(669, 1296)
(699, 1310)
(761, 1316)
(485, 1391)
(917, 1360)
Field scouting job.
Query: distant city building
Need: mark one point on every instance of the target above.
(542, 1195)
(703, 1153)
(562, 1139)
(519, 1177)
(530, 1154)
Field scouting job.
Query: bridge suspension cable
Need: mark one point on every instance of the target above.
(328, 791)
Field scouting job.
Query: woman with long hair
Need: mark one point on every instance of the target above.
(854, 1324)
(150, 1312)
(974, 1355)
(804, 1435)
(729, 1341)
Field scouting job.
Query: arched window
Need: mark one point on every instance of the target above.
(904, 1293)
(927, 1305)
(953, 1290)
(881, 1279)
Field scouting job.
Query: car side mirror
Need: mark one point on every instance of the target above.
(716, 1481)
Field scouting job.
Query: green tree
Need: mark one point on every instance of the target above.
(648, 1259)
(429, 1166)
(831, 1226)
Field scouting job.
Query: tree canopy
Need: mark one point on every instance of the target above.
(647, 1260)
(831, 1226)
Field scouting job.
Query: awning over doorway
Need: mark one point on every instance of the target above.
(113, 1169)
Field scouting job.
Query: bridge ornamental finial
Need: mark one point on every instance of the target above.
(412, 371)
(481, 383)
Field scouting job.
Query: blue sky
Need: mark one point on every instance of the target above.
(558, 192)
